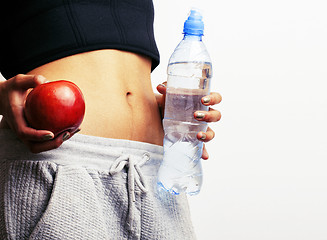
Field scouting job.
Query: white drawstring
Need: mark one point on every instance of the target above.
(134, 175)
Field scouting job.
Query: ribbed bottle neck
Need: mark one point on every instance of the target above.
(192, 37)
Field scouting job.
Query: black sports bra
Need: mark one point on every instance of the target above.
(35, 32)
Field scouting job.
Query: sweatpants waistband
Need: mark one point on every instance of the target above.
(88, 151)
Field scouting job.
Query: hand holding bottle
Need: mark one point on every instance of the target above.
(212, 115)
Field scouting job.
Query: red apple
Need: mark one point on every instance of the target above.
(55, 106)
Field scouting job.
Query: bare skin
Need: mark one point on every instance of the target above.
(120, 102)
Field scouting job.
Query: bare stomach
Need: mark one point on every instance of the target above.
(120, 102)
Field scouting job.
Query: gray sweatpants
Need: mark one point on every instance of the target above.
(90, 188)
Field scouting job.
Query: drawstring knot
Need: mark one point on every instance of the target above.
(134, 175)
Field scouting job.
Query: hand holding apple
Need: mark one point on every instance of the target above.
(55, 106)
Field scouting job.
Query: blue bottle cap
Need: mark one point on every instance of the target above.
(194, 24)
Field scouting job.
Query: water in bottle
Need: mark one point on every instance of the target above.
(189, 73)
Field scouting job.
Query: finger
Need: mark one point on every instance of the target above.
(25, 82)
(162, 88)
(68, 135)
(37, 147)
(212, 99)
(76, 131)
(205, 155)
(207, 136)
(212, 115)
(24, 132)
(30, 134)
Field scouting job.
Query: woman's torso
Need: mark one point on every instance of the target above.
(116, 85)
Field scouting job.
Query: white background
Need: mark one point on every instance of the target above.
(267, 173)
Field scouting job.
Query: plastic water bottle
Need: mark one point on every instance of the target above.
(189, 73)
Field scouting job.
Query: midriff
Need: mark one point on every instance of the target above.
(120, 102)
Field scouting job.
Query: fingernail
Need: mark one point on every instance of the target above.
(162, 85)
(47, 137)
(203, 136)
(65, 136)
(206, 99)
(199, 115)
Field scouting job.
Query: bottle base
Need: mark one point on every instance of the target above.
(161, 188)
(175, 191)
